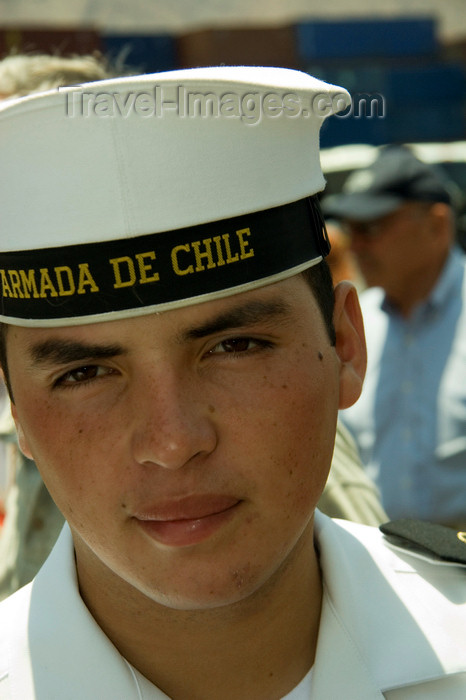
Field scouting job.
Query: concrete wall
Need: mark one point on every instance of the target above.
(182, 15)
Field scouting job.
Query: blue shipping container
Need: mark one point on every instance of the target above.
(372, 37)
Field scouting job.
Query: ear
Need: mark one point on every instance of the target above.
(350, 343)
(22, 440)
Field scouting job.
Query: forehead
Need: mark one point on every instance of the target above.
(276, 304)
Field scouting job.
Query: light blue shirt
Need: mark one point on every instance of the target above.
(410, 422)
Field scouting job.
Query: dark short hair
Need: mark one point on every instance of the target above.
(318, 277)
(3, 362)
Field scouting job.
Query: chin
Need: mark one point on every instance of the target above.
(199, 594)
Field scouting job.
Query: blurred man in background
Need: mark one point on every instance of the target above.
(410, 422)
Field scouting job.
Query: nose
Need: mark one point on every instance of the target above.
(172, 423)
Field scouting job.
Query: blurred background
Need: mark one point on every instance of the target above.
(409, 55)
(403, 61)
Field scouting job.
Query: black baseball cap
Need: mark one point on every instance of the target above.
(395, 177)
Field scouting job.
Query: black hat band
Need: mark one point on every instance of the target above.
(159, 270)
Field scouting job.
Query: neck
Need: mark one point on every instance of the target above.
(260, 647)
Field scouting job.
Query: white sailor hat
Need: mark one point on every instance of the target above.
(140, 194)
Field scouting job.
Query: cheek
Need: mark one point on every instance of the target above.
(308, 434)
(35, 425)
(287, 434)
(50, 430)
(67, 448)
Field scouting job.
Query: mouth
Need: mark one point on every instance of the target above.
(188, 521)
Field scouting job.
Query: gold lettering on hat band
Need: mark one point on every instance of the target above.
(159, 268)
(461, 536)
(208, 256)
(46, 283)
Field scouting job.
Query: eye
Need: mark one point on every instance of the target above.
(83, 375)
(242, 344)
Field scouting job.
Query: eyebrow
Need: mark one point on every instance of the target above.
(247, 314)
(59, 351)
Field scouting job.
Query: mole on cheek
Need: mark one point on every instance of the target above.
(320, 356)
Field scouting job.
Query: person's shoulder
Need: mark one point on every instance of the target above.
(400, 593)
(435, 556)
(423, 541)
(435, 552)
(433, 543)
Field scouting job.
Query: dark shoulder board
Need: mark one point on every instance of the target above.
(435, 541)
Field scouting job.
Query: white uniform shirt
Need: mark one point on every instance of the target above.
(392, 626)
(148, 691)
